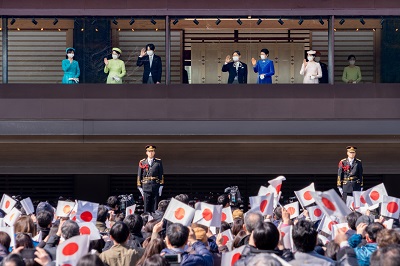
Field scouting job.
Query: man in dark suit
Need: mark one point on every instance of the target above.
(350, 174)
(150, 179)
(152, 65)
(237, 70)
(324, 68)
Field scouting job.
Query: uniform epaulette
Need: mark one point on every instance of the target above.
(344, 159)
(144, 159)
(358, 160)
(157, 159)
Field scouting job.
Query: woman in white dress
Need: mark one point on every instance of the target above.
(311, 70)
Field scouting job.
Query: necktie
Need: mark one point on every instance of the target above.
(151, 60)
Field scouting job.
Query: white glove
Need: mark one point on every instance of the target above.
(312, 77)
(116, 78)
(361, 189)
(141, 191)
(262, 76)
(160, 191)
(340, 190)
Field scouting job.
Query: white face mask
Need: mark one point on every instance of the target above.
(235, 58)
(352, 62)
(70, 55)
(115, 56)
(310, 58)
(150, 53)
(263, 57)
(317, 59)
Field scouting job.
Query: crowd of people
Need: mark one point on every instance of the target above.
(313, 70)
(148, 239)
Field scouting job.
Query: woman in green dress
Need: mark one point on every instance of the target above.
(115, 67)
(351, 73)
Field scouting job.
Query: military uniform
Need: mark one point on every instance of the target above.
(150, 178)
(350, 176)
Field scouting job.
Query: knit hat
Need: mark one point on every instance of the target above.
(364, 219)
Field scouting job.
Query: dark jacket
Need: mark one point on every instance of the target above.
(203, 256)
(241, 73)
(355, 171)
(153, 170)
(249, 252)
(51, 246)
(155, 69)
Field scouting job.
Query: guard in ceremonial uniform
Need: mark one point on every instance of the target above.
(150, 179)
(350, 174)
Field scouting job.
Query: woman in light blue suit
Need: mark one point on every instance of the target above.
(70, 68)
(264, 67)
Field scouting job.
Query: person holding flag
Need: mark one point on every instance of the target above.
(350, 174)
(150, 179)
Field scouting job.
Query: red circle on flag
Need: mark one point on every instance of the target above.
(278, 188)
(66, 209)
(12, 216)
(8, 203)
(179, 213)
(283, 234)
(263, 205)
(207, 214)
(225, 239)
(328, 204)
(66, 265)
(352, 205)
(392, 207)
(362, 200)
(331, 224)
(374, 195)
(343, 229)
(70, 249)
(317, 212)
(130, 211)
(84, 230)
(223, 218)
(307, 195)
(267, 194)
(291, 210)
(86, 216)
(235, 258)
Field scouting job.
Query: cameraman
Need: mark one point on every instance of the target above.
(235, 198)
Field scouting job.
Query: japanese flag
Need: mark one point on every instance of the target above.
(304, 195)
(87, 211)
(323, 239)
(226, 236)
(130, 210)
(178, 212)
(230, 258)
(286, 235)
(72, 215)
(208, 214)
(7, 203)
(72, 249)
(263, 204)
(227, 215)
(330, 203)
(265, 191)
(375, 194)
(89, 229)
(12, 216)
(28, 205)
(315, 213)
(293, 209)
(344, 227)
(276, 199)
(388, 224)
(350, 202)
(10, 232)
(64, 208)
(390, 207)
(359, 200)
(277, 183)
(326, 224)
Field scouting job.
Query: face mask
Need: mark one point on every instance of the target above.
(263, 57)
(150, 53)
(310, 58)
(70, 55)
(352, 62)
(317, 59)
(114, 56)
(235, 58)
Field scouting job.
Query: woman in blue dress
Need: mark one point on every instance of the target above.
(264, 67)
(70, 67)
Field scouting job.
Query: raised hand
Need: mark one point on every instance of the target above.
(227, 59)
(253, 61)
(106, 61)
(142, 52)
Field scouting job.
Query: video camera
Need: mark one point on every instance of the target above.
(125, 201)
(234, 195)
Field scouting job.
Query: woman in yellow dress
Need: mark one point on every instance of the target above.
(115, 67)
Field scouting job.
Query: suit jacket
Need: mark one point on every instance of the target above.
(153, 170)
(155, 69)
(241, 73)
(346, 171)
(311, 258)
